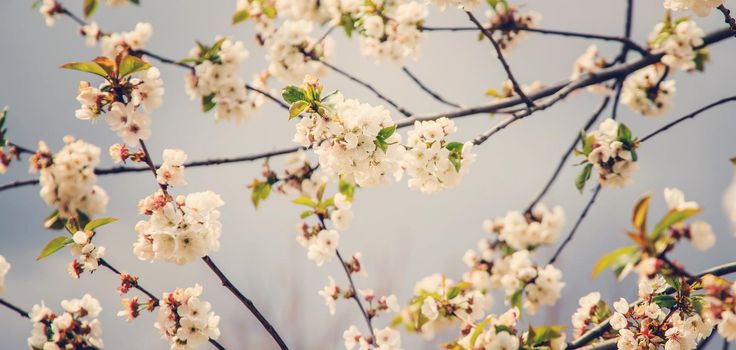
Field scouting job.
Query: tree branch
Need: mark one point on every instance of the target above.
(688, 116)
(568, 152)
(357, 80)
(10, 306)
(499, 54)
(575, 227)
(728, 18)
(243, 299)
(426, 89)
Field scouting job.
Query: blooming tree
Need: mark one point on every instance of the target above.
(345, 147)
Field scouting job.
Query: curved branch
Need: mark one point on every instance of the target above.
(688, 116)
(575, 227)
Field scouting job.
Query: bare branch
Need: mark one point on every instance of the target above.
(421, 85)
(10, 306)
(728, 18)
(688, 116)
(575, 227)
(505, 64)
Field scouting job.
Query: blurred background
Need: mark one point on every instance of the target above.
(403, 235)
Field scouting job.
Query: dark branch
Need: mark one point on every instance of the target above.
(577, 224)
(421, 85)
(243, 299)
(689, 116)
(505, 64)
(10, 306)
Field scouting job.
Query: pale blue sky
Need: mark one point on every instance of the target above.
(403, 235)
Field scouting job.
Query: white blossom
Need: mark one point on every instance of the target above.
(701, 7)
(432, 163)
(115, 43)
(677, 41)
(179, 232)
(171, 171)
(69, 182)
(648, 92)
(186, 321)
(286, 52)
(75, 328)
(701, 235)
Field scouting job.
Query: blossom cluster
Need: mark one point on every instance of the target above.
(293, 54)
(432, 163)
(67, 178)
(701, 7)
(590, 62)
(678, 41)
(390, 29)
(540, 226)
(505, 262)
(75, 328)
(506, 22)
(185, 320)
(215, 80)
(611, 151)
(648, 91)
(179, 231)
(503, 332)
(463, 4)
(591, 312)
(720, 295)
(86, 254)
(353, 140)
(386, 339)
(647, 324)
(112, 44)
(359, 143)
(125, 97)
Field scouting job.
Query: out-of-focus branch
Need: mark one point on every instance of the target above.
(728, 18)
(570, 235)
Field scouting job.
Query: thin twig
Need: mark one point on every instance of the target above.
(588, 124)
(354, 294)
(359, 81)
(243, 299)
(580, 35)
(688, 116)
(10, 306)
(137, 286)
(575, 227)
(505, 64)
(426, 89)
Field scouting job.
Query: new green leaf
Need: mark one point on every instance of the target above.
(96, 223)
(54, 245)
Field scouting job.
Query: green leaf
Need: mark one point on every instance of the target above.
(455, 147)
(107, 64)
(305, 201)
(88, 67)
(54, 221)
(241, 16)
(455, 160)
(346, 188)
(348, 24)
(453, 292)
(305, 214)
(208, 103)
(269, 11)
(672, 218)
(583, 177)
(477, 331)
(90, 6)
(54, 245)
(702, 57)
(381, 144)
(297, 108)
(94, 224)
(131, 64)
(517, 298)
(293, 93)
(623, 134)
(613, 258)
(545, 334)
(261, 191)
(666, 301)
(83, 220)
(386, 132)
